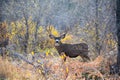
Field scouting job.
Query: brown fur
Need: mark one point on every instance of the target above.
(74, 50)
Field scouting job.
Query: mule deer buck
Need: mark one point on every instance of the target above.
(70, 50)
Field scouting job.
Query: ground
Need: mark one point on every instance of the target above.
(54, 68)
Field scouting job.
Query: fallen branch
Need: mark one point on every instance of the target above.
(21, 57)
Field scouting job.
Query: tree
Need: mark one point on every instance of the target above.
(118, 30)
(4, 40)
(115, 68)
(1, 9)
(97, 47)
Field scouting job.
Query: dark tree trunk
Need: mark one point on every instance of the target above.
(115, 68)
(2, 16)
(26, 37)
(1, 2)
(3, 38)
(97, 46)
(35, 36)
(27, 33)
(118, 30)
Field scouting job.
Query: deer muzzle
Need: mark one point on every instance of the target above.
(57, 42)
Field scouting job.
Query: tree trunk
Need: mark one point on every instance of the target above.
(27, 33)
(115, 68)
(1, 2)
(26, 37)
(118, 30)
(97, 29)
(35, 36)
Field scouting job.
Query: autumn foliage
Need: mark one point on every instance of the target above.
(46, 63)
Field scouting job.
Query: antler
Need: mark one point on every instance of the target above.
(66, 30)
(49, 29)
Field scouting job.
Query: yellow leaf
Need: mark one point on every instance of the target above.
(38, 61)
(28, 74)
(68, 37)
(81, 39)
(53, 30)
(63, 56)
(40, 28)
(52, 54)
(13, 33)
(47, 53)
(42, 66)
(67, 69)
(32, 53)
(39, 71)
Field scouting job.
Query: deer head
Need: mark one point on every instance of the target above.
(57, 39)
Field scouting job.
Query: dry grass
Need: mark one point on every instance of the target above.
(84, 70)
(8, 71)
(73, 69)
(56, 69)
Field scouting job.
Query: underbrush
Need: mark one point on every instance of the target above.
(9, 71)
(54, 68)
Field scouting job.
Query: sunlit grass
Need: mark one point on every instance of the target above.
(8, 71)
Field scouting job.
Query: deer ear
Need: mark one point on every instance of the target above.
(63, 36)
(51, 36)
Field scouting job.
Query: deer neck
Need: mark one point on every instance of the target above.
(60, 45)
(59, 48)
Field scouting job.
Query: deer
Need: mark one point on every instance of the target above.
(70, 50)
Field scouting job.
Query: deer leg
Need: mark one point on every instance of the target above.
(63, 56)
(85, 58)
(65, 59)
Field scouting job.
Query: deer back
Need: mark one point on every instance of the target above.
(78, 47)
(73, 49)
